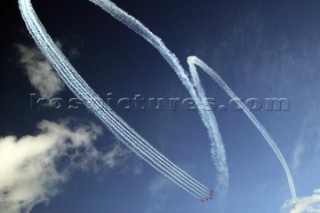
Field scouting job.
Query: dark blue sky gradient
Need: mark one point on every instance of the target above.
(261, 49)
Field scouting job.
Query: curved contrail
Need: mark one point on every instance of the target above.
(193, 61)
(115, 124)
(197, 93)
(121, 129)
(208, 118)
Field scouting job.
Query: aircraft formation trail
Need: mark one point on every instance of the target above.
(192, 61)
(121, 129)
(116, 125)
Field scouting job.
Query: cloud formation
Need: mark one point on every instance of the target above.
(299, 149)
(159, 189)
(39, 71)
(33, 167)
(309, 204)
(307, 148)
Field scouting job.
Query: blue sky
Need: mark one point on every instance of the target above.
(67, 161)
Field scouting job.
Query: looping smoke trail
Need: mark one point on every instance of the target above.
(111, 120)
(122, 130)
(197, 93)
(208, 118)
(193, 61)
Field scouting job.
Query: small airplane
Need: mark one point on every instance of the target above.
(204, 199)
(208, 198)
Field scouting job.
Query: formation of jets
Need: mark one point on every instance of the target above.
(208, 198)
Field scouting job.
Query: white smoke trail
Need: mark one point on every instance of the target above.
(125, 133)
(192, 61)
(118, 127)
(208, 118)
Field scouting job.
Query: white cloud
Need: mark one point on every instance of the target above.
(307, 148)
(33, 167)
(297, 153)
(309, 204)
(115, 156)
(39, 71)
(159, 189)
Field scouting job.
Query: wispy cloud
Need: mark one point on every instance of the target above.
(296, 159)
(308, 204)
(33, 167)
(307, 148)
(159, 189)
(118, 157)
(74, 52)
(39, 71)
